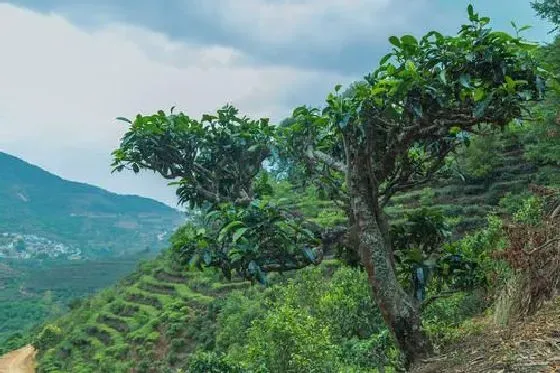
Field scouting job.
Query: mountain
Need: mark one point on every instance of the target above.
(37, 207)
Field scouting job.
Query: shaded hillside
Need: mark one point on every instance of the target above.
(36, 202)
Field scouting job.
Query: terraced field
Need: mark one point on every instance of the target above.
(151, 320)
(471, 199)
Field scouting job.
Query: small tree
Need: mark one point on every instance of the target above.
(390, 133)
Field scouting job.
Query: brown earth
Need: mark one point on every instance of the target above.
(531, 345)
(19, 361)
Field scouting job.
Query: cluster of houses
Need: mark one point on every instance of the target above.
(27, 246)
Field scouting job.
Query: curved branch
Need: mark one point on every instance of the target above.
(316, 156)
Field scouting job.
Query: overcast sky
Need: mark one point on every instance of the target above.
(68, 68)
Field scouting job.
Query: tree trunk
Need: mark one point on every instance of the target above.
(400, 311)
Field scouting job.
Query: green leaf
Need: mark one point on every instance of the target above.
(410, 66)
(309, 254)
(227, 228)
(395, 41)
(454, 130)
(337, 87)
(409, 40)
(208, 117)
(465, 80)
(510, 83)
(238, 233)
(442, 76)
(385, 58)
(479, 94)
(470, 10)
(123, 119)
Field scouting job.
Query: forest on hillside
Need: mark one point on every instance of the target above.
(363, 236)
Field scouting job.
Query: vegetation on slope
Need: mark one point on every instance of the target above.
(111, 232)
(32, 291)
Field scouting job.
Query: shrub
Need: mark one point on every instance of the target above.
(210, 362)
(49, 336)
(235, 318)
(290, 340)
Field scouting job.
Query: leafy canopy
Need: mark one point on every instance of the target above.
(214, 159)
(549, 10)
(402, 120)
(416, 107)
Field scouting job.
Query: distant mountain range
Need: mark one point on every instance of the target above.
(42, 207)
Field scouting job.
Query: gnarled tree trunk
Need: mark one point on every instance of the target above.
(400, 311)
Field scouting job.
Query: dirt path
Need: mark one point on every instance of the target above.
(19, 361)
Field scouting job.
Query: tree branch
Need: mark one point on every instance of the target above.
(318, 156)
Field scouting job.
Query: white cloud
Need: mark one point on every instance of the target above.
(318, 23)
(61, 88)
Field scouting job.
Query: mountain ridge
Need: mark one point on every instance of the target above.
(78, 214)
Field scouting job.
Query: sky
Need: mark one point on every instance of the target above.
(68, 68)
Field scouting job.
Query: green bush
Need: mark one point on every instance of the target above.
(49, 336)
(530, 211)
(237, 314)
(210, 362)
(290, 340)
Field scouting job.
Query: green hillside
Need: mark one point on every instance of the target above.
(61, 240)
(150, 321)
(295, 268)
(34, 202)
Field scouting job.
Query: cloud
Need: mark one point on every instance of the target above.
(346, 36)
(62, 87)
(69, 67)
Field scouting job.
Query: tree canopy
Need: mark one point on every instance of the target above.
(549, 10)
(389, 133)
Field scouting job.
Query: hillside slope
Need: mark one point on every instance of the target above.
(43, 207)
(469, 199)
(150, 321)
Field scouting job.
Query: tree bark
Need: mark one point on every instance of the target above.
(400, 311)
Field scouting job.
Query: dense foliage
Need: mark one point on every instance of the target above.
(33, 291)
